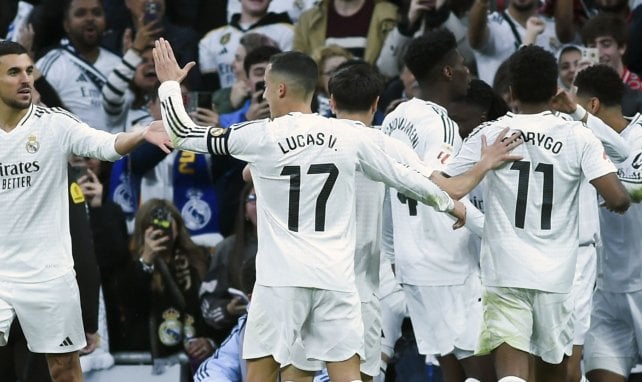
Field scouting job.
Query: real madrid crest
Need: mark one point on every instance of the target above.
(217, 131)
(196, 212)
(170, 331)
(32, 145)
(225, 38)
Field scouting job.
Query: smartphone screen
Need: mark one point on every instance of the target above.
(78, 172)
(260, 86)
(161, 219)
(592, 55)
(151, 12)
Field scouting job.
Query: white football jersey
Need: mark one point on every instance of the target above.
(619, 268)
(367, 255)
(303, 169)
(34, 194)
(217, 48)
(427, 250)
(618, 150)
(79, 85)
(531, 206)
(502, 43)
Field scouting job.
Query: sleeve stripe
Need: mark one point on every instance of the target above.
(449, 130)
(65, 112)
(122, 78)
(218, 145)
(128, 64)
(178, 127)
(114, 89)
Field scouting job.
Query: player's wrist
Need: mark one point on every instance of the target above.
(579, 114)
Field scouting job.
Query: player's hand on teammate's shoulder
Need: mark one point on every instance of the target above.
(167, 69)
(499, 152)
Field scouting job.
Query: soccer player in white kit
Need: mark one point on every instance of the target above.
(355, 88)
(438, 268)
(589, 227)
(614, 340)
(37, 280)
(303, 168)
(530, 239)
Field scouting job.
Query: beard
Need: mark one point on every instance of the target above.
(18, 105)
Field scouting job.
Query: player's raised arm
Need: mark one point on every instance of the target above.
(183, 132)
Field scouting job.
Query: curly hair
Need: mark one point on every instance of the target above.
(425, 53)
(483, 95)
(600, 81)
(533, 74)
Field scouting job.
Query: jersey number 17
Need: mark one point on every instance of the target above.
(294, 172)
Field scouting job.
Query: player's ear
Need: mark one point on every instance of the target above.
(373, 107)
(594, 105)
(447, 71)
(282, 89)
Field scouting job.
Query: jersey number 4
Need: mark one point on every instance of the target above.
(524, 168)
(294, 172)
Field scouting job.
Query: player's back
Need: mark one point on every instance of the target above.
(531, 228)
(427, 250)
(304, 173)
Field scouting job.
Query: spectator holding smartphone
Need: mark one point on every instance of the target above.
(138, 14)
(159, 288)
(220, 308)
(256, 107)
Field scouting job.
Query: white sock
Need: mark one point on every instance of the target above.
(511, 378)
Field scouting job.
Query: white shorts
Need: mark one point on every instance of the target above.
(49, 313)
(614, 341)
(371, 363)
(393, 311)
(539, 323)
(327, 322)
(582, 291)
(446, 319)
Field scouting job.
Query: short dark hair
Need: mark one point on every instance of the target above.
(259, 55)
(533, 74)
(482, 95)
(605, 24)
(600, 81)
(299, 69)
(355, 85)
(425, 53)
(11, 47)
